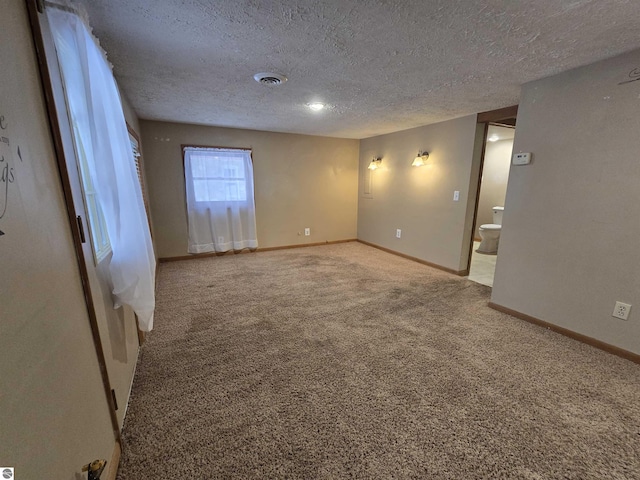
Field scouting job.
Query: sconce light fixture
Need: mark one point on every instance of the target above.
(420, 160)
(375, 163)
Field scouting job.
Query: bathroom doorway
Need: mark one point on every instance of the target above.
(492, 187)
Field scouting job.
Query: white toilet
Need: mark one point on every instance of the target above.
(490, 233)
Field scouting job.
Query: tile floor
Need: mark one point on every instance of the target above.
(482, 267)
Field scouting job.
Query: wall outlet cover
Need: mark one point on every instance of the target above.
(621, 311)
(398, 233)
(307, 232)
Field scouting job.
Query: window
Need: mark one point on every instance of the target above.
(219, 176)
(97, 223)
(111, 189)
(220, 206)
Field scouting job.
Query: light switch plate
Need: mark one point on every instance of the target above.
(521, 158)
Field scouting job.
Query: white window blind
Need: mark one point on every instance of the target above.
(137, 158)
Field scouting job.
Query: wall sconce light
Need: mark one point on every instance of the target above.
(375, 163)
(420, 160)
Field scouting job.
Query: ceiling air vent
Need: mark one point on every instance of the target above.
(270, 79)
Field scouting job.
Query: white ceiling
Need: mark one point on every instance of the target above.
(380, 65)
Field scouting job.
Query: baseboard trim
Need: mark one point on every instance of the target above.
(620, 352)
(115, 462)
(196, 256)
(302, 245)
(460, 273)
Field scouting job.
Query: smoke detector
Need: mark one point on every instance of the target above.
(270, 79)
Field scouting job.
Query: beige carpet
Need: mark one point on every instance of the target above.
(343, 361)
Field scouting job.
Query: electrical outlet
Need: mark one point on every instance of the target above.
(307, 232)
(398, 233)
(621, 310)
(456, 195)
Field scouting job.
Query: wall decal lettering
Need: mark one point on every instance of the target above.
(634, 76)
(7, 170)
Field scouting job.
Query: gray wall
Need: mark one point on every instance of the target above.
(419, 200)
(569, 242)
(50, 383)
(300, 181)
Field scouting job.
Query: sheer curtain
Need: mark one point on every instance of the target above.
(95, 108)
(220, 203)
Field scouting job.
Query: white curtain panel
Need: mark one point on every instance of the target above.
(220, 200)
(94, 104)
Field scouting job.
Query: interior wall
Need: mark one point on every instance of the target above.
(569, 242)
(54, 416)
(300, 181)
(495, 175)
(419, 200)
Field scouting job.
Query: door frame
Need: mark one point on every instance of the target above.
(486, 118)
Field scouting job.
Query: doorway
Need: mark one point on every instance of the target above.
(499, 133)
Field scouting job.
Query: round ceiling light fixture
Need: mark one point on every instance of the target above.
(270, 79)
(315, 106)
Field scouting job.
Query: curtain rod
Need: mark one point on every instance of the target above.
(213, 147)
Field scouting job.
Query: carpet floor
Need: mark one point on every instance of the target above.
(342, 361)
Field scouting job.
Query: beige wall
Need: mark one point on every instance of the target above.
(419, 200)
(569, 242)
(50, 383)
(495, 175)
(300, 181)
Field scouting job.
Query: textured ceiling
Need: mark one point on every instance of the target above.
(380, 65)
